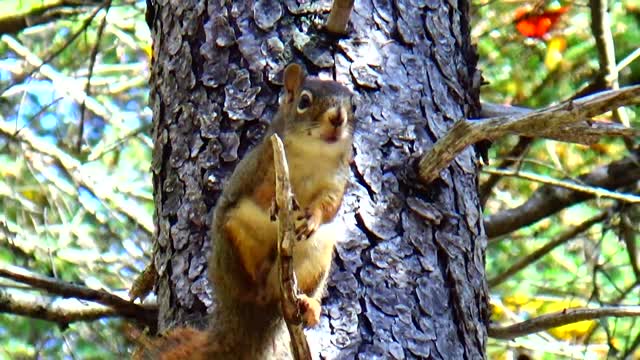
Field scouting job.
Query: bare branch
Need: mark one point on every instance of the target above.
(589, 132)
(339, 16)
(567, 316)
(583, 132)
(144, 314)
(549, 199)
(289, 300)
(61, 312)
(101, 149)
(514, 156)
(538, 123)
(92, 62)
(62, 82)
(489, 110)
(631, 348)
(41, 65)
(628, 232)
(601, 27)
(595, 191)
(538, 254)
(628, 60)
(14, 23)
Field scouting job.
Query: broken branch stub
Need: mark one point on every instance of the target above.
(339, 16)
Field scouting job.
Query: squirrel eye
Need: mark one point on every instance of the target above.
(305, 101)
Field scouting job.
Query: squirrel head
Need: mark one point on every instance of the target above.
(316, 110)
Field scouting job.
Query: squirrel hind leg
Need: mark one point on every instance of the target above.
(252, 234)
(311, 262)
(312, 258)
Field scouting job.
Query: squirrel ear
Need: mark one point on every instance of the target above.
(293, 78)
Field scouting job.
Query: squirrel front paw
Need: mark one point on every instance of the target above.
(310, 309)
(306, 224)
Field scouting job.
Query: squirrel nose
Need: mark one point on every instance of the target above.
(338, 119)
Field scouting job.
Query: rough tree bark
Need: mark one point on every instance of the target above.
(408, 281)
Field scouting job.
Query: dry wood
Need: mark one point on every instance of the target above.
(545, 122)
(286, 236)
(339, 16)
(61, 312)
(601, 28)
(571, 185)
(560, 318)
(125, 308)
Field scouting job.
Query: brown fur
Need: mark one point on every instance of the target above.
(246, 322)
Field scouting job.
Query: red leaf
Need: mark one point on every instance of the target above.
(537, 24)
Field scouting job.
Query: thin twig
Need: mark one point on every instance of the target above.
(538, 254)
(92, 62)
(42, 110)
(548, 200)
(628, 232)
(62, 82)
(101, 149)
(558, 117)
(74, 169)
(13, 23)
(286, 236)
(628, 60)
(564, 317)
(631, 348)
(39, 165)
(618, 299)
(601, 27)
(514, 156)
(9, 241)
(595, 191)
(54, 54)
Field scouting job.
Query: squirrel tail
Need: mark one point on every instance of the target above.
(178, 344)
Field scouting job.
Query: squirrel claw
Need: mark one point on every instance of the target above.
(273, 210)
(295, 206)
(307, 225)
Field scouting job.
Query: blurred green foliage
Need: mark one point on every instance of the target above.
(594, 268)
(51, 225)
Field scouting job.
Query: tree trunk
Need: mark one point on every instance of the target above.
(408, 281)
